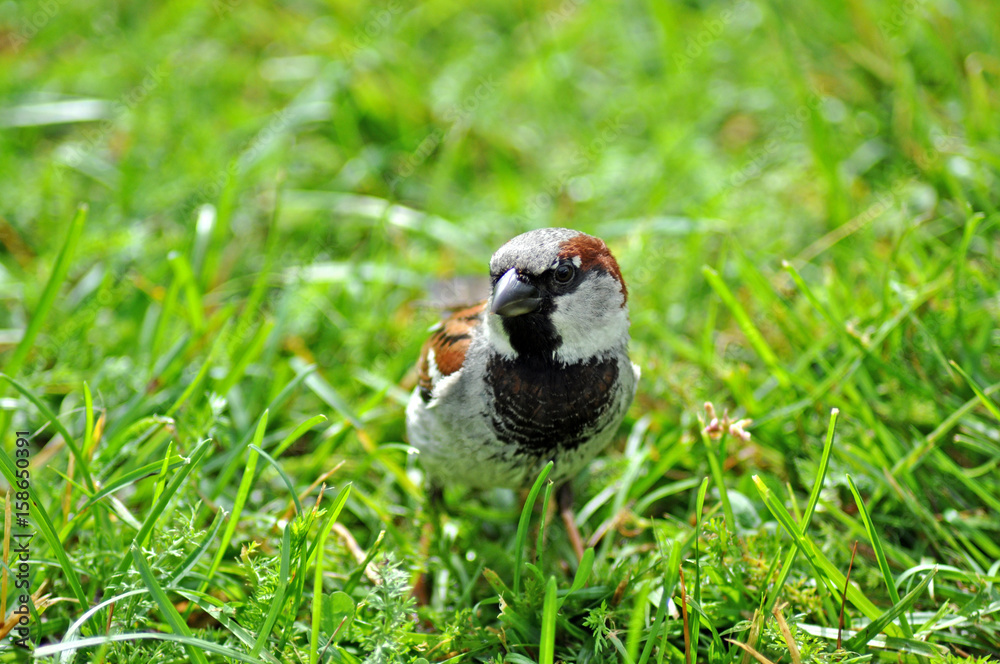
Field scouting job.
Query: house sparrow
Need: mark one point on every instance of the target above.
(539, 371)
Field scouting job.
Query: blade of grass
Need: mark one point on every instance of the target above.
(185, 566)
(825, 570)
(182, 273)
(522, 525)
(44, 307)
(947, 464)
(547, 643)
(693, 619)
(919, 454)
(224, 461)
(637, 618)
(671, 574)
(158, 360)
(540, 541)
(167, 609)
(202, 372)
(320, 552)
(252, 307)
(322, 388)
(637, 456)
(75, 626)
(817, 489)
(664, 491)
(753, 335)
(188, 642)
(49, 416)
(252, 351)
(883, 564)
(125, 480)
(138, 431)
(282, 474)
(298, 589)
(296, 434)
(44, 524)
(219, 609)
(897, 644)
(154, 514)
(696, 610)
(898, 610)
(715, 468)
(961, 269)
(242, 492)
(317, 601)
(983, 399)
(88, 423)
(161, 480)
(654, 629)
(278, 601)
(331, 518)
(582, 574)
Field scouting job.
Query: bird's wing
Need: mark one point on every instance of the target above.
(444, 352)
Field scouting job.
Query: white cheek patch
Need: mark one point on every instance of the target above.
(496, 338)
(592, 320)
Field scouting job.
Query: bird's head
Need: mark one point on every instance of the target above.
(557, 294)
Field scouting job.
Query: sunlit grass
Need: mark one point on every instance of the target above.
(213, 356)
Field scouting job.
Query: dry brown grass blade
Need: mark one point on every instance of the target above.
(755, 626)
(359, 554)
(41, 602)
(290, 512)
(619, 593)
(786, 634)
(96, 438)
(753, 653)
(684, 614)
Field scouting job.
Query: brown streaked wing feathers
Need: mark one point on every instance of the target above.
(449, 342)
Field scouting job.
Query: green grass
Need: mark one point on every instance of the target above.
(219, 227)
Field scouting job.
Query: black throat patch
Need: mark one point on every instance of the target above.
(533, 335)
(542, 405)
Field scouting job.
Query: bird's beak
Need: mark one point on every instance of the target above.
(513, 297)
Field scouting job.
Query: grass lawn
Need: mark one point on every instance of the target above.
(222, 225)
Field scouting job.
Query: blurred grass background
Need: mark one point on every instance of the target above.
(274, 190)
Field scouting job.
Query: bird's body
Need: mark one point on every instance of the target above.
(539, 371)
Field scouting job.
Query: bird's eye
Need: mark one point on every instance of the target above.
(564, 273)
